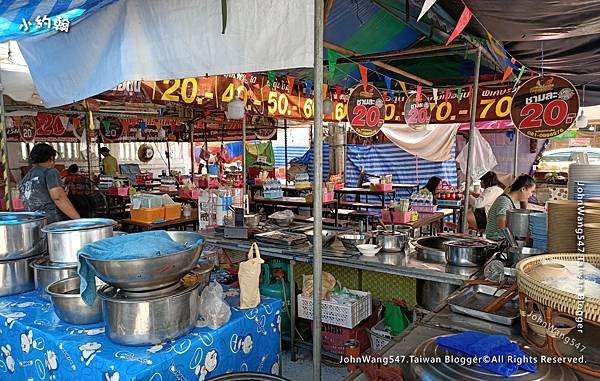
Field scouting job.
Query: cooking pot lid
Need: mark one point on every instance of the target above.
(46, 264)
(14, 218)
(185, 285)
(453, 370)
(80, 224)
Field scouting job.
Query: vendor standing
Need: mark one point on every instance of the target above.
(481, 202)
(109, 163)
(518, 193)
(41, 189)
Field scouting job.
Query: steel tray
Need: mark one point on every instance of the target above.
(473, 299)
(281, 238)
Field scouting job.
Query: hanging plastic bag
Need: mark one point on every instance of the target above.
(249, 277)
(213, 307)
(396, 316)
(484, 159)
(328, 283)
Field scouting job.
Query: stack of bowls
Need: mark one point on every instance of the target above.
(65, 238)
(584, 179)
(592, 237)
(142, 296)
(562, 222)
(538, 226)
(21, 242)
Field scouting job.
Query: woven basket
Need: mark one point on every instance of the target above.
(562, 222)
(560, 301)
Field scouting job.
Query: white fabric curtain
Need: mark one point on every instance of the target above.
(168, 39)
(434, 143)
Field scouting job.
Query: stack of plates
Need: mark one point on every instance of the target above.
(584, 179)
(538, 226)
(562, 222)
(592, 237)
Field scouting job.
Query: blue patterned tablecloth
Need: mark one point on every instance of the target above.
(36, 345)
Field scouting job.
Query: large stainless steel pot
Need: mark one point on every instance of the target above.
(69, 306)
(430, 294)
(517, 220)
(65, 238)
(391, 241)
(21, 235)
(150, 320)
(16, 276)
(466, 253)
(431, 249)
(46, 273)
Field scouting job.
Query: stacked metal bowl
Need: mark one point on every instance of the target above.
(21, 242)
(150, 300)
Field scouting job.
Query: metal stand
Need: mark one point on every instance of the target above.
(4, 149)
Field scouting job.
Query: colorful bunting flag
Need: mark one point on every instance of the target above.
(464, 19)
(92, 126)
(384, 94)
(308, 84)
(388, 83)
(338, 92)
(521, 72)
(142, 125)
(248, 78)
(64, 120)
(403, 86)
(494, 45)
(470, 95)
(435, 95)
(332, 58)
(271, 78)
(363, 76)
(419, 90)
(508, 71)
(325, 88)
(106, 125)
(426, 6)
(290, 81)
(447, 95)
(459, 94)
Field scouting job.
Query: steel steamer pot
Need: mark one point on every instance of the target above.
(65, 238)
(21, 235)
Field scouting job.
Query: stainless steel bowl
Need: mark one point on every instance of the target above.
(515, 254)
(21, 235)
(466, 253)
(251, 220)
(391, 241)
(46, 273)
(69, 306)
(148, 273)
(150, 320)
(202, 271)
(431, 249)
(328, 237)
(351, 240)
(65, 238)
(16, 276)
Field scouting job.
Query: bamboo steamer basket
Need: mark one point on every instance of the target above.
(591, 216)
(562, 222)
(558, 300)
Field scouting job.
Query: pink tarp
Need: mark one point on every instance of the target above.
(489, 125)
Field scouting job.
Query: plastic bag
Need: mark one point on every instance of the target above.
(213, 308)
(396, 316)
(328, 283)
(484, 159)
(249, 277)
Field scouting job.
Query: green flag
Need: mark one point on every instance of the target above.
(271, 77)
(332, 58)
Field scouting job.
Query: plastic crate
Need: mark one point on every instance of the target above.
(189, 194)
(114, 191)
(328, 197)
(338, 186)
(343, 315)
(172, 212)
(424, 208)
(398, 217)
(334, 337)
(148, 215)
(449, 202)
(273, 194)
(383, 187)
(380, 337)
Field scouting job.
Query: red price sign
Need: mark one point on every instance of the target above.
(417, 114)
(545, 107)
(366, 110)
(27, 128)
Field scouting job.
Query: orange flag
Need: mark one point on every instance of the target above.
(363, 76)
(463, 21)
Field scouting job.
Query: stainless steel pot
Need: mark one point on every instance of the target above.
(150, 320)
(69, 306)
(350, 240)
(431, 249)
(21, 235)
(466, 253)
(252, 220)
(430, 294)
(65, 238)
(16, 276)
(391, 241)
(517, 220)
(46, 273)
(515, 254)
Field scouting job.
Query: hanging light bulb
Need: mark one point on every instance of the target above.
(235, 108)
(327, 106)
(581, 121)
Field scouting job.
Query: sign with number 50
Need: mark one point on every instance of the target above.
(544, 107)
(366, 110)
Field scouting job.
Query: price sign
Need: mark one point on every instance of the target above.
(417, 114)
(27, 128)
(544, 107)
(110, 128)
(366, 110)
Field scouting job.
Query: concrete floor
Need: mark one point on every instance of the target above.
(302, 369)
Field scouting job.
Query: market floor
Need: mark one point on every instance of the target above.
(302, 369)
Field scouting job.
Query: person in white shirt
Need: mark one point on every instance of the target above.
(480, 203)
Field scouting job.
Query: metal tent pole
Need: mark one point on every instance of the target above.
(464, 222)
(285, 145)
(244, 159)
(516, 158)
(192, 148)
(4, 149)
(318, 189)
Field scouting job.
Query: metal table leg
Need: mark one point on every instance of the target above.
(293, 309)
